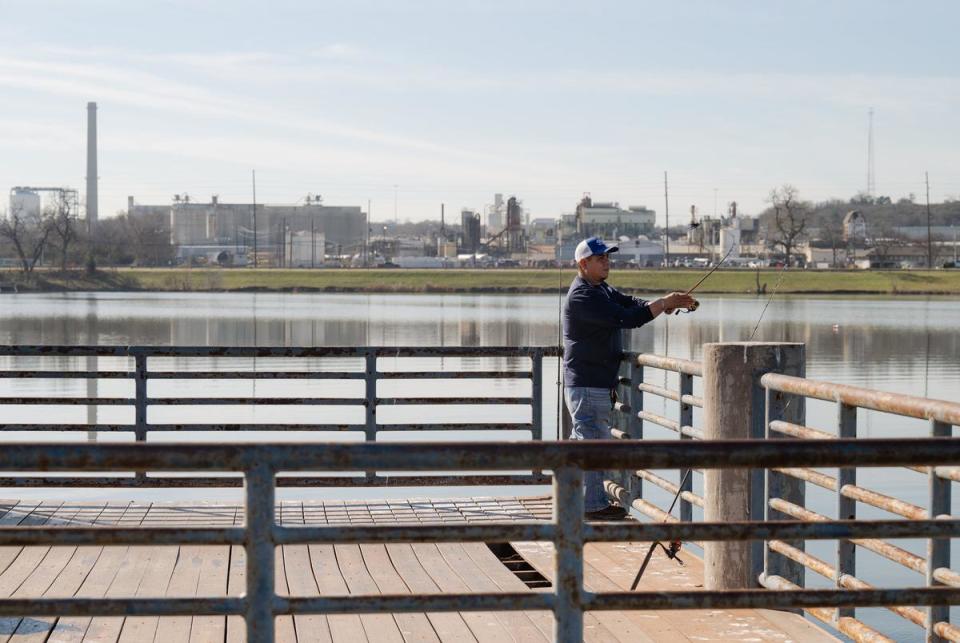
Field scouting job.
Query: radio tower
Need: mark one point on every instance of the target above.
(871, 177)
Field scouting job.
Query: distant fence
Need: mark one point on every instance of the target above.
(142, 365)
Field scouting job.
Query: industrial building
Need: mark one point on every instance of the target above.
(286, 235)
(611, 221)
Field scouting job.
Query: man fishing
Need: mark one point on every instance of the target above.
(593, 317)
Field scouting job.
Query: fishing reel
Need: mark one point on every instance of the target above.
(690, 309)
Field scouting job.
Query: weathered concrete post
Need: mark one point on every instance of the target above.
(733, 406)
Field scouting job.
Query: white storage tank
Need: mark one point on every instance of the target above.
(25, 203)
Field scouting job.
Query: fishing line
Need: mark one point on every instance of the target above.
(783, 269)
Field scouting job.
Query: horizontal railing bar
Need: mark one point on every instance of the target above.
(660, 391)
(83, 375)
(847, 581)
(621, 407)
(120, 536)
(530, 531)
(406, 401)
(890, 552)
(154, 428)
(265, 401)
(852, 627)
(670, 364)
(405, 603)
(884, 401)
(769, 530)
(669, 487)
(280, 351)
(71, 401)
(446, 375)
(215, 606)
(799, 431)
(696, 434)
(774, 531)
(167, 482)
(949, 473)
(767, 599)
(512, 426)
(947, 576)
(446, 456)
(858, 493)
(252, 375)
(692, 400)
(659, 420)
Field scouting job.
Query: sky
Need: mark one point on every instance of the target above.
(408, 105)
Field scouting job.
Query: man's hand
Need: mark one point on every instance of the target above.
(674, 301)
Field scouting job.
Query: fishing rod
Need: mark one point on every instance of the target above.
(696, 304)
(670, 550)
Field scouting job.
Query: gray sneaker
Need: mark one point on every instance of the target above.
(610, 512)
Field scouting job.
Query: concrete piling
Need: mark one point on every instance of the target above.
(734, 409)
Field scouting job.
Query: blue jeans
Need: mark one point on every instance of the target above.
(590, 409)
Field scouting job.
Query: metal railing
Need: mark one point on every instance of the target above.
(260, 535)
(782, 489)
(785, 498)
(141, 366)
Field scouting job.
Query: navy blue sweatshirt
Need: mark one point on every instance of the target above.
(592, 319)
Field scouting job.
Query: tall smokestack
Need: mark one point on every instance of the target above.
(91, 167)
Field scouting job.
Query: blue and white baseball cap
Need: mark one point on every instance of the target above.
(593, 246)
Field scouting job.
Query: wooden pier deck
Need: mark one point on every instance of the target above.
(114, 571)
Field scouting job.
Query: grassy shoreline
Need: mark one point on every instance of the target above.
(734, 281)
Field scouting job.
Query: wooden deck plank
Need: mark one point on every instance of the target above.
(616, 560)
(126, 583)
(379, 627)
(236, 585)
(213, 582)
(163, 560)
(597, 626)
(449, 626)
(183, 584)
(283, 625)
(27, 562)
(413, 627)
(519, 624)
(310, 628)
(95, 585)
(506, 581)
(326, 572)
(484, 625)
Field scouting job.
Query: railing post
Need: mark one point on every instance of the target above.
(634, 423)
(537, 397)
(938, 549)
(686, 419)
(733, 404)
(568, 561)
(370, 381)
(790, 409)
(140, 403)
(846, 507)
(259, 548)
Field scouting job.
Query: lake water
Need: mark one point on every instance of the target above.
(901, 344)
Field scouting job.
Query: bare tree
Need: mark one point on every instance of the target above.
(790, 216)
(28, 232)
(63, 222)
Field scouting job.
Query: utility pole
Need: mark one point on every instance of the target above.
(254, 218)
(396, 211)
(926, 176)
(666, 229)
(366, 245)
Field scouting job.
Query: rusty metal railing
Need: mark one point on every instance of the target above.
(631, 415)
(782, 490)
(786, 498)
(260, 535)
(143, 366)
